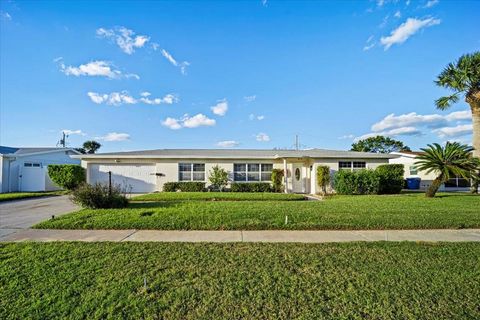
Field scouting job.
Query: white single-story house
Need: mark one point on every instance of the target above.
(408, 159)
(25, 169)
(147, 171)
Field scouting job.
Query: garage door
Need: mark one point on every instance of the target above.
(32, 177)
(134, 177)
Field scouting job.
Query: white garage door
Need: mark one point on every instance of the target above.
(133, 177)
(32, 177)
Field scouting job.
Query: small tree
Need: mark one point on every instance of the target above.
(454, 159)
(91, 146)
(323, 178)
(277, 179)
(66, 176)
(218, 178)
(379, 144)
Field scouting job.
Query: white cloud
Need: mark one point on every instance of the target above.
(114, 136)
(172, 123)
(250, 98)
(412, 123)
(262, 137)
(220, 108)
(167, 99)
(347, 136)
(125, 38)
(406, 30)
(186, 121)
(5, 16)
(114, 98)
(119, 98)
(369, 44)
(98, 68)
(228, 144)
(182, 65)
(197, 121)
(255, 117)
(430, 3)
(452, 132)
(398, 14)
(73, 132)
(410, 119)
(404, 131)
(265, 3)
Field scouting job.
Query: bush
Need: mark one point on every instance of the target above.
(251, 187)
(97, 196)
(323, 177)
(218, 178)
(66, 176)
(356, 182)
(391, 178)
(277, 180)
(189, 186)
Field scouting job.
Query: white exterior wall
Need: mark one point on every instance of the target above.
(408, 161)
(167, 169)
(17, 165)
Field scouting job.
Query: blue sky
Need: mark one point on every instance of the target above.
(252, 74)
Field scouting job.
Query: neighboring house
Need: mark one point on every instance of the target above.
(25, 169)
(408, 159)
(147, 171)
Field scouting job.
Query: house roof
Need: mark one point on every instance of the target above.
(12, 151)
(412, 154)
(237, 154)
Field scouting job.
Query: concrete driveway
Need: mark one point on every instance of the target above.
(22, 214)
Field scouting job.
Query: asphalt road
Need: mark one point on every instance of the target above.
(22, 214)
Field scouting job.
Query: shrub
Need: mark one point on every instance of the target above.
(251, 187)
(186, 186)
(277, 180)
(323, 177)
(66, 176)
(218, 178)
(98, 196)
(391, 178)
(356, 182)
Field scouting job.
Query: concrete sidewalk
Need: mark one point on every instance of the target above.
(321, 236)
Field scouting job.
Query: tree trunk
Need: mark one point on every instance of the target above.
(432, 190)
(475, 107)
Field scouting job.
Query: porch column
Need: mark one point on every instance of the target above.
(285, 175)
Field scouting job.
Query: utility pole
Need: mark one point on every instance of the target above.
(63, 140)
(296, 142)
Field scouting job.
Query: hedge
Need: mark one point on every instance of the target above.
(188, 186)
(99, 196)
(391, 178)
(67, 176)
(356, 182)
(277, 180)
(251, 187)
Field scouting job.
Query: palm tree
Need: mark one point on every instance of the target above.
(454, 159)
(91, 146)
(463, 78)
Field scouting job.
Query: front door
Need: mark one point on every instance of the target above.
(298, 179)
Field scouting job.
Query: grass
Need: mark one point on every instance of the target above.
(217, 196)
(23, 195)
(239, 281)
(406, 211)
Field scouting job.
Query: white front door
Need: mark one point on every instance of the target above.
(298, 178)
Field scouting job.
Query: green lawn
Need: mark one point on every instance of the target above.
(406, 211)
(23, 195)
(239, 281)
(217, 196)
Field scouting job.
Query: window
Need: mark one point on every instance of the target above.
(355, 165)
(252, 172)
(32, 164)
(413, 170)
(344, 165)
(191, 172)
(297, 174)
(358, 165)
